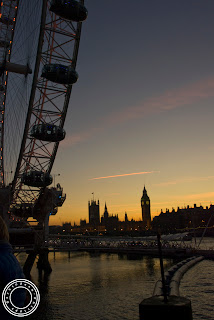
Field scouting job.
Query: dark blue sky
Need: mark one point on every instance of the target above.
(143, 102)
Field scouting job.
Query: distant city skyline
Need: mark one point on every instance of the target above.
(102, 210)
(142, 109)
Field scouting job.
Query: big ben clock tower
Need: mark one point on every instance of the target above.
(145, 205)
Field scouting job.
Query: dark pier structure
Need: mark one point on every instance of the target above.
(33, 239)
(166, 302)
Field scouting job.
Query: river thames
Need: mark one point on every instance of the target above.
(110, 287)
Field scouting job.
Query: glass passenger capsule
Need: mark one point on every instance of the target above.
(60, 199)
(37, 179)
(47, 132)
(23, 210)
(70, 10)
(59, 73)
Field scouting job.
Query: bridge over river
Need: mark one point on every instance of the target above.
(176, 245)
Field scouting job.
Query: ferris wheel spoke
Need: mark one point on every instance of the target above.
(38, 79)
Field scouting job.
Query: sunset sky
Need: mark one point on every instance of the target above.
(142, 110)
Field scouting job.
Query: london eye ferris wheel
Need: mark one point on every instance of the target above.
(39, 42)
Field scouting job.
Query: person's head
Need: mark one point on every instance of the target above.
(4, 234)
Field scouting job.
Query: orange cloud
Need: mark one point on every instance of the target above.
(184, 180)
(199, 196)
(123, 175)
(76, 138)
(169, 100)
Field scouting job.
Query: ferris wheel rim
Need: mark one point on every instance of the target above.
(65, 104)
(4, 75)
(36, 71)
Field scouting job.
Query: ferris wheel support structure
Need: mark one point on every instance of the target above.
(53, 76)
(49, 70)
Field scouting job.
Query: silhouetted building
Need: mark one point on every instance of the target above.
(82, 223)
(114, 225)
(66, 226)
(145, 205)
(105, 215)
(126, 217)
(109, 221)
(94, 212)
(184, 218)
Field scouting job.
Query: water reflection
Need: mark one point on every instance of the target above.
(109, 286)
(100, 286)
(150, 266)
(45, 310)
(43, 280)
(198, 285)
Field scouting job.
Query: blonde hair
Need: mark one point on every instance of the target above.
(4, 234)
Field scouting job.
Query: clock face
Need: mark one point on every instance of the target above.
(142, 202)
(147, 202)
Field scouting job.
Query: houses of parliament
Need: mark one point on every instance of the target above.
(189, 218)
(111, 223)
